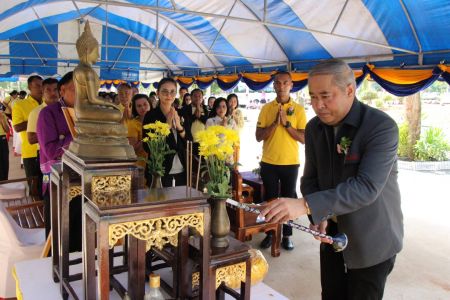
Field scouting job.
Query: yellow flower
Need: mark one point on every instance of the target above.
(157, 146)
(217, 146)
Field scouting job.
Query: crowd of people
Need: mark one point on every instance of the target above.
(349, 187)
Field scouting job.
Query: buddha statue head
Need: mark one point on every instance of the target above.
(87, 46)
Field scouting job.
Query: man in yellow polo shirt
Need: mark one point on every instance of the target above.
(4, 150)
(49, 95)
(9, 101)
(20, 112)
(281, 125)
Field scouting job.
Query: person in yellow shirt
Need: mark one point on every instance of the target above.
(281, 126)
(140, 105)
(4, 150)
(7, 103)
(20, 112)
(125, 93)
(49, 95)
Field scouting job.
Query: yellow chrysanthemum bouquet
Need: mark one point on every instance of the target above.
(158, 148)
(217, 146)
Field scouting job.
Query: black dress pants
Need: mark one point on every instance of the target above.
(339, 283)
(4, 158)
(279, 181)
(33, 170)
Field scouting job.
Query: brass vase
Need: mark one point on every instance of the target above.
(156, 181)
(220, 223)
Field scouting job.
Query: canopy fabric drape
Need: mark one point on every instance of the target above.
(403, 82)
(141, 40)
(399, 82)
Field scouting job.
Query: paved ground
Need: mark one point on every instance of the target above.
(422, 269)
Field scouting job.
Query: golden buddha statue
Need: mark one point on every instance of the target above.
(100, 133)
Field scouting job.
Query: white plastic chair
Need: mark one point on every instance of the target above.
(16, 244)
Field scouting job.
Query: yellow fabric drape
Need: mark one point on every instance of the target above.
(299, 76)
(185, 80)
(401, 76)
(204, 78)
(228, 78)
(258, 77)
(357, 73)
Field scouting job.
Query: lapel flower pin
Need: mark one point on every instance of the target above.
(344, 145)
(290, 111)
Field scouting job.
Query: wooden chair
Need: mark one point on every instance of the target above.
(29, 215)
(243, 224)
(21, 236)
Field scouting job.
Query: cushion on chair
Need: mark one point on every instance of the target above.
(13, 190)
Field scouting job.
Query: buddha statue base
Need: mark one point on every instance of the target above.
(101, 140)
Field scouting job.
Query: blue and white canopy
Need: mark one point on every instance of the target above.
(142, 37)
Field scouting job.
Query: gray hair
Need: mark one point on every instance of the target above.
(341, 71)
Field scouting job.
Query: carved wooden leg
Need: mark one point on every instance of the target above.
(103, 260)
(64, 234)
(136, 262)
(275, 250)
(89, 257)
(55, 191)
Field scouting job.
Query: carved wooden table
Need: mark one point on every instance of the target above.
(104, 178)
(150, 218)
(56, 196)
(228, 267)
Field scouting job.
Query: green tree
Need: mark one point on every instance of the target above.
(368, 96)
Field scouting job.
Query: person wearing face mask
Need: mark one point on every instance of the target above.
(174, 163)
(219, 115)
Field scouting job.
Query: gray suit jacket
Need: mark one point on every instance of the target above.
(360, 188)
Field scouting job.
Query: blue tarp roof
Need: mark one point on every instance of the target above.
(141, 38)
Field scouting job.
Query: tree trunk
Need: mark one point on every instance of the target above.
(413, 116)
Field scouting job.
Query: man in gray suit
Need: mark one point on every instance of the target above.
(349, 184)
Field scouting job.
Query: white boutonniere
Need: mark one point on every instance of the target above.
(344, 145)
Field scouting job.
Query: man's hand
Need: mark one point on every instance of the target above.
(282, 115)
(322, 228)
(284, 209)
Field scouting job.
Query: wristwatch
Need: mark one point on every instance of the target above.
(287, 125)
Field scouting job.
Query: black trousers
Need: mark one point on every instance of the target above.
(47, 214)
(4, 158)
(339, 283)
(33, 170)
(279, 181)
